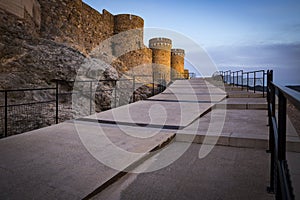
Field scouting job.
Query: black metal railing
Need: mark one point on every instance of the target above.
(19, 106)
(23, 110)
(280, 179)
(248, 80)
(182, 76)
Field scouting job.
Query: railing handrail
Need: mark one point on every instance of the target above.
(280, 178)
(292, 95)
(256, 71)
(28, 89)
(232, 78)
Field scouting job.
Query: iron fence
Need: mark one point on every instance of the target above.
(18, 107)
(252, 80)
(23, 110)
(280, 179)
(182, 76)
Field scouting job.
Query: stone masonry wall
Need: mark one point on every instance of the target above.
(177, 63)
(161, 57)
(20, 7)
(74, 23)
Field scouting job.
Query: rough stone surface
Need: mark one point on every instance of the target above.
(177, 63)
(65, 39)
(225, 173)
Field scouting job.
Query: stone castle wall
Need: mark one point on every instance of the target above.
(177, 63)
(77, 25)
(161, 57)
(21, 7)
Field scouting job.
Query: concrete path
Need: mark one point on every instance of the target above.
(73, 159)
(64, 161)
(84, 157)
(226, 173)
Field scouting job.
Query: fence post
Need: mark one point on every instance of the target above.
(133, 89)
(254, 81)
(263, 83)
(271, 113)
(56, 102)
(116, 87)
(237, 79)
(281, 126)
(5, 114)
(91, 88)
(247, 81)
(242, 80)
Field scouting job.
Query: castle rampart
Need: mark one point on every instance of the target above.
(75, 24)
(161, 57)
(129, 31)
(177, 63)
(19, 7)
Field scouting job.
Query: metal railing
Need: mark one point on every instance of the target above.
(23, 110)
(280, 180)
(242, 79)
(17, 116)
(182, 76)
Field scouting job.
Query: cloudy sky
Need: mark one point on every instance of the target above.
(236, 34)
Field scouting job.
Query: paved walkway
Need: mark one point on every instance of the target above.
(226, 173)
(82, 157)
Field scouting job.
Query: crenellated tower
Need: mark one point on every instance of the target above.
(129, 33)
(128, 44)
(161, 57)
(186, 74)
(177, 63)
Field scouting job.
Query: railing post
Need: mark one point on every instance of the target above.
(237, 79)
(5, 114)
(271, 113)
(281, 126)
(116, 87)
(254, 81)
(91, 88)
(247, 81)
(242, 80)
(133, 89)
(56, 102)
(263, 83)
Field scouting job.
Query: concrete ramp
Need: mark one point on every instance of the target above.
(55, 163)
(74, 159)
(81, 158)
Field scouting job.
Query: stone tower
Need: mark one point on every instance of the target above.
(177, 63)
(128, 44)
(186, 74)
(161, 57)
(129, 33)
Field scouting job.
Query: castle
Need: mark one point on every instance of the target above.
(74, 23)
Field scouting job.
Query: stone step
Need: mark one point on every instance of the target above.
(241, 140)
(243, 103)
(242, 94)
(236, 128)
(72, 160)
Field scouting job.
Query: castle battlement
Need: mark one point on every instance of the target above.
(125, 22)
(178, 52)
(160, 43)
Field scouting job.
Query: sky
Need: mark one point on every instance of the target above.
(235, 34)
